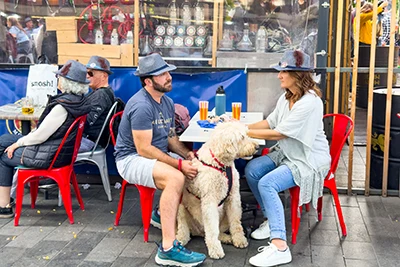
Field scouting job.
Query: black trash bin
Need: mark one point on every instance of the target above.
(378, 138)
(380, 79)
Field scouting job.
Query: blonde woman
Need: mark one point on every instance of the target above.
(20, 35)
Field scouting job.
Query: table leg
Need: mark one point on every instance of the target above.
(25, 127)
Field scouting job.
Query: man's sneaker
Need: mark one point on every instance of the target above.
(155, 218)
(6, 212)
(270, 256)
(178, 255)
(262, 232)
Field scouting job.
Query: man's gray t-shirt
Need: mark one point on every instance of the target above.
(142, 112)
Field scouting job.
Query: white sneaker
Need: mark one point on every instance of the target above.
(262, 232)
(270, 256)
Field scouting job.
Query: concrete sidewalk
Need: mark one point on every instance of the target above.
(45, 237)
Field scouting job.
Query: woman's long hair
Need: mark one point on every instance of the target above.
(14, 22)
(304, 83)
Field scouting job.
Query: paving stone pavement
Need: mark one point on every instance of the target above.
(45, 237)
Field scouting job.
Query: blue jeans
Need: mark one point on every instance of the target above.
(266, 181)
(7, 165)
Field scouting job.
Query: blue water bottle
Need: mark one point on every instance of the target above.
(220, 101)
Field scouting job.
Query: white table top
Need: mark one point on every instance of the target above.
(13, 112)
(194, 133)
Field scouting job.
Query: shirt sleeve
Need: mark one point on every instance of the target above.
(14, 30)
(300, 122)
(49, 125)
(141, 116)
(272, 118)
(99, 102)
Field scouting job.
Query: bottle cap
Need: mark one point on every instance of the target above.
(220, 90)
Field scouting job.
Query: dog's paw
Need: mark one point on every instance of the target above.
(240, 241)
(225, 238)
(216, 252)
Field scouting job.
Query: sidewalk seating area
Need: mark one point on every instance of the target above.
(45, 237)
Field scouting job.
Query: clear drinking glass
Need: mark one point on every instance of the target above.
(203, 108)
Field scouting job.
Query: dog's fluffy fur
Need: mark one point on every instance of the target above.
(202, 216)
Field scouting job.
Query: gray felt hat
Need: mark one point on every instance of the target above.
(153, 65)
(99, 63)
(74, 71)
(294, 60)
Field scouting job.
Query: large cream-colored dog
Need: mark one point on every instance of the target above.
(208, 208)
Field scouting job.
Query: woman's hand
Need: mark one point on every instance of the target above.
(10, 150)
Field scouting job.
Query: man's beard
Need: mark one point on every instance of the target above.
(162, 88)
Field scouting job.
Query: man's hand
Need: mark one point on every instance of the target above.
(188, 169)
(190, 155)
(10, 150)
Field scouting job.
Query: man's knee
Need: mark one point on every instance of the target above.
(166, 175)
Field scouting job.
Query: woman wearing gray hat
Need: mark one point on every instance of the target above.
(301, 156)
(39, 147)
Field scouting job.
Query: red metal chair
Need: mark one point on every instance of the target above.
(342, 126)
(146, 193)
(63, 176)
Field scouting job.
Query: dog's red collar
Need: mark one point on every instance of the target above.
(221, 168)
(226, 171)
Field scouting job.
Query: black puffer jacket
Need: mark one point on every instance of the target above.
(40, 156)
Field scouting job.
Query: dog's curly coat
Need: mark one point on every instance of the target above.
(199, 213)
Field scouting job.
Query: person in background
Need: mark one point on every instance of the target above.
(300, 158)
(28, 26)
(38, 148)
(41, 23)
(145, 135)
(101, 99)
(384, 39)
(366, 23)
(21, 37)
(3, 42)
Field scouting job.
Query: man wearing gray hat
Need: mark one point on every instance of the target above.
(101, 99)
(145, 135)
(28, 26)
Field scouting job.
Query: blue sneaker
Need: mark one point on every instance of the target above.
(155, 218)
(178, 255)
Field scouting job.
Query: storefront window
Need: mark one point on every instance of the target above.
(183, 31)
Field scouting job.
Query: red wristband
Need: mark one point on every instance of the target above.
(179, 164)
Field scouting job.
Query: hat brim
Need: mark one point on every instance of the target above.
(168, 67)
(288, 68)
(69, 78)
(109, 72)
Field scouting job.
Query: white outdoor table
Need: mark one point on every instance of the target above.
(194, 133)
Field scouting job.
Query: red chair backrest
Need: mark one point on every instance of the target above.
(113, 133)
(81, 125)
(342, 127)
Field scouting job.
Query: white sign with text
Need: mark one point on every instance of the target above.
(41, 82)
